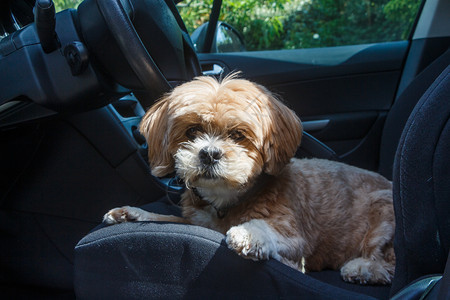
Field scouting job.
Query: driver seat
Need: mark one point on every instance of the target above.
(163, 260)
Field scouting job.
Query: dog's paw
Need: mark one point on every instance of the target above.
(125, 214)
(364, 271)
(244, 243)
(252, 240)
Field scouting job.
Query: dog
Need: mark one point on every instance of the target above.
(232, 142)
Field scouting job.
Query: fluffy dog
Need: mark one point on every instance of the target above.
(232, 143)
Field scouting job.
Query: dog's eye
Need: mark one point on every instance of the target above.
(237, 135)
(192, 132)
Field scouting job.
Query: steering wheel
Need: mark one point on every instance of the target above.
(142, 44)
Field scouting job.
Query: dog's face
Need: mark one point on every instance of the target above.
(220, 133)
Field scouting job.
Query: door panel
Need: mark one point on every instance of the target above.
(350, 86)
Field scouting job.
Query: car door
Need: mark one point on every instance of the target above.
(342, 93)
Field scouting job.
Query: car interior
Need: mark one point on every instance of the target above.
(74, 87)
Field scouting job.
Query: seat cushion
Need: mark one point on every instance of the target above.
(143, 259)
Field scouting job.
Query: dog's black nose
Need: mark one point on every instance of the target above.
(209, 156)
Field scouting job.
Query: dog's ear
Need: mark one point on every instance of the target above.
(283, 138)
(154, 127)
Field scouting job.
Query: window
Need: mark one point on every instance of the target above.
(294, 24)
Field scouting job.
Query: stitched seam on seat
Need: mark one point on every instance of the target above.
(143, 232)
(433, 183)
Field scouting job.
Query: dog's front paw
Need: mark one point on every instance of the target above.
(364, 271)
(251, 240)
(124, 214)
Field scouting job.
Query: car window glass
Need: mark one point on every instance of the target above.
(295, 24)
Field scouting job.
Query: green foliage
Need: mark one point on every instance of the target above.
(403, 13)
(261, 22)
(195, 13)
(333, 23)
(292, 24)
(65, 4)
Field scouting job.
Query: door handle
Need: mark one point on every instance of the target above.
(213, 70)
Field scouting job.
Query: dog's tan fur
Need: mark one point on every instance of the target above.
(330, 214)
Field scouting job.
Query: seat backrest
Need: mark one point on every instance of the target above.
(422, 187)
(400, 111)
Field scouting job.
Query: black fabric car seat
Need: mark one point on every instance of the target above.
(422, 187)
(157, 260)
(401, 110)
